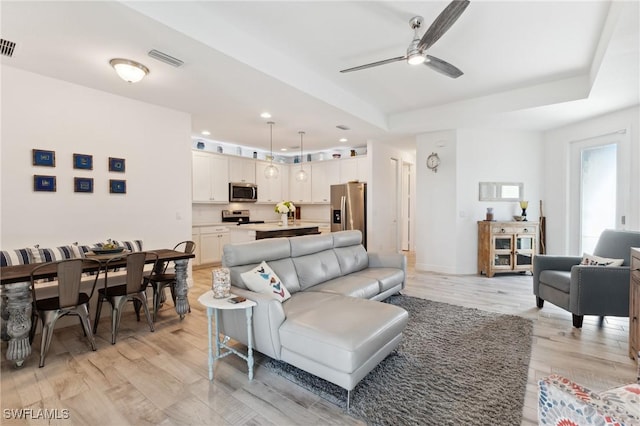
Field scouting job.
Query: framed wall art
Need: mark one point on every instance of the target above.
(116, 164)
(117, 186)
(82, 184)
(83, 161)
(44, 158)
(44, 183)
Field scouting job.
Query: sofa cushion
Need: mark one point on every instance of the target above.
(330, 336)
(352, 258)
(310, 244)
(262, 279)
(387, 277)
(255, 252)
(346, 238)
(352, 285)
(560, 280)
(316, 268)
(285, 269)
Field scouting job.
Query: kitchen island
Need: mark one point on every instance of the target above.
(250, 232)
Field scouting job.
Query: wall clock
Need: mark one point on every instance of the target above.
(433, 161)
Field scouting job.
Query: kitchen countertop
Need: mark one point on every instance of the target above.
(268, 226)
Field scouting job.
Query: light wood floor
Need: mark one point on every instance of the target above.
(161, 377)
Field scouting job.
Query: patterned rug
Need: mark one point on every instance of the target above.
(455, 366)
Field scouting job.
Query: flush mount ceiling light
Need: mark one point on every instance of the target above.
(128, 70)
(265, 115)
(344, 139)
(206, 132)
(271, 171)
(301, 175)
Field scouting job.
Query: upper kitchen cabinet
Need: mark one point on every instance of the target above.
(323, 175)
(300, 192)
(272, 190)
(210, 178)
(354, 168)
(242, 170)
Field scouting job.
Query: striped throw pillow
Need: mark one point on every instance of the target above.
(133, 245)
(15, 257)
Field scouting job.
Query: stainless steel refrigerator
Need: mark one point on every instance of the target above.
(349, 208)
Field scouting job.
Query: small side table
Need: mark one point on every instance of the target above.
(213, 306)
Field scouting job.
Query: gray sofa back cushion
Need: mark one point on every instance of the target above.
(352, 258)
(255, 252)
(316, 268)
(616, 244)
(310, 244)
(286, 271)
(347, 238)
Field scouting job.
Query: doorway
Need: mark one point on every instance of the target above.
(599, 189)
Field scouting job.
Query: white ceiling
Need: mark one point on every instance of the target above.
(528, 64)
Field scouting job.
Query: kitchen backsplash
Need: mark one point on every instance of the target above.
(212, 213)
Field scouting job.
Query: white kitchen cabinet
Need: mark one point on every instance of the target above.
(272, 190)
(354, 168)
(242, 170)
(210, 178)
(323, 175)
(209, 242)
(300, 192)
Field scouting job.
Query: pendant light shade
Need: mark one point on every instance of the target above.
(271, 171)
(301, 175)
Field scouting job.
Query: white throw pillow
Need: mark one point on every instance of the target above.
(590, 259)
(262, 279)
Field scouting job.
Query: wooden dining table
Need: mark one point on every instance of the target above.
(17, 300)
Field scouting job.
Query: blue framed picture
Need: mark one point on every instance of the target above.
(116, 164)
(44, 183)
(83, 161)
(117, 186)
(82, 184)
(43, 157)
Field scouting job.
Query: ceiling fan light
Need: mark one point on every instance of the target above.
(415, 59)
(129, 71)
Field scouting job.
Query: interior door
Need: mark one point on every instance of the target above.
(599, 189)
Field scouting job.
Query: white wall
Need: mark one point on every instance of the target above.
(447, 201)
(44, 113)
(556, 177)
(380, 192)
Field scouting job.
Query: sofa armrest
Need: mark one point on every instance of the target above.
(268, 316)
(599, 289)
(389, 260)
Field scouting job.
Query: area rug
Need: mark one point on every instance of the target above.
(455, 366)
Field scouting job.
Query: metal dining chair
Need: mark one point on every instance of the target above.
(133, 290)
(69, 299)
(159, 279)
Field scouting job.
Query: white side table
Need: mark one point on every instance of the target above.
(213, 306)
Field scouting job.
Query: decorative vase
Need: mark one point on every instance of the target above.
(489, 214)
(284, 219)
(221, 283)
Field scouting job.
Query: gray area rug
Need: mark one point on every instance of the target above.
(455, 366)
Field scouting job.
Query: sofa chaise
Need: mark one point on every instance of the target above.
(333, 325)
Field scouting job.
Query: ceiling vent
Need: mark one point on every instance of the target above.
(342, 127)
(6, 47)
(163, 57)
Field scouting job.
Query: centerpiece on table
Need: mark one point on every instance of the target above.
(284, 208)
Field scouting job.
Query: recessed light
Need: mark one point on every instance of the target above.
(206, 132)
(283, 149)
(343, 139)
(265, 115)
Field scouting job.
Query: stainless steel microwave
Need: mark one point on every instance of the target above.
(241, 192)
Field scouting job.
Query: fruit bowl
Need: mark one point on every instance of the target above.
(103, 250)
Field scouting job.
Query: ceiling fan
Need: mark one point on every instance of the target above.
(416, 50)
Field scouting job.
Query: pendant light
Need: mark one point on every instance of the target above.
(301, 175)
(271, 171)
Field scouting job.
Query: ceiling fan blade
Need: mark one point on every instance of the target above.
(443, 22)
(442, 67)
(375, 64)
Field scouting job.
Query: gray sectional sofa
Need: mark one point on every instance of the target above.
(333, 326)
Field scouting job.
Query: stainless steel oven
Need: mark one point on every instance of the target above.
(241, 192)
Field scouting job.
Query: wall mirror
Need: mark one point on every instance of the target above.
(501, 191)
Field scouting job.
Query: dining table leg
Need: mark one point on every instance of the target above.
(182, 302)
(18, 299)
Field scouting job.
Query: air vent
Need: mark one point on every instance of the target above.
(342, 127)
(6, 47)
(163, 57)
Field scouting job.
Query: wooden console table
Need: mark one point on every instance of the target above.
(506, 246)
